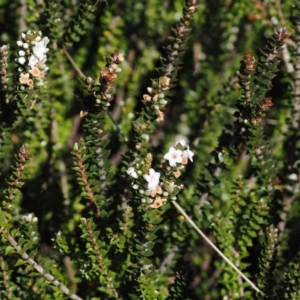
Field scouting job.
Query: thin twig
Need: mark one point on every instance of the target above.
(38, 268)
(178, 207)
(280, 13)
(72, 62)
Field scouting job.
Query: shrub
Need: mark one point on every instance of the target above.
(149, 149)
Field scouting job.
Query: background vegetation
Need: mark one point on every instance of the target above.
(74, 223)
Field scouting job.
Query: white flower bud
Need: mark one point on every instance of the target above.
(21, 60)
(145, 137)
(21, 53)
(293, 177)
(163, 102)
(149, 89)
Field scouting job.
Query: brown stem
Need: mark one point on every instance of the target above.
(66, 52)
(99, 256)
(84, 179)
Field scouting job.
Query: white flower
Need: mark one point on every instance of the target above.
(188, 153)
(33, 61)
(132, 172)
(46, 40)
(173, 156)
(152, 179)
(39, 49)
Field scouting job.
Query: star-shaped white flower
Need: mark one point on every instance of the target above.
(188, 153)
(40, 49)
(174, 156)
(152, 178)
(33, 61)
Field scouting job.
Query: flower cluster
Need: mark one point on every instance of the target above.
(109, 73)
(102, 92)
(157, 96)
(155, 192)
(155, 102)
(32, 58)
(3, 69)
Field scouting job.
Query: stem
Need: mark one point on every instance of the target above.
(178, 207)
(84, 179)
(38, 268)
(72, 62)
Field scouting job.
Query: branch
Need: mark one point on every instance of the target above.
(178, 207)
(37, 267)
(84, 177)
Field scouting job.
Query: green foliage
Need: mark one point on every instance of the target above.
(114, 112)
